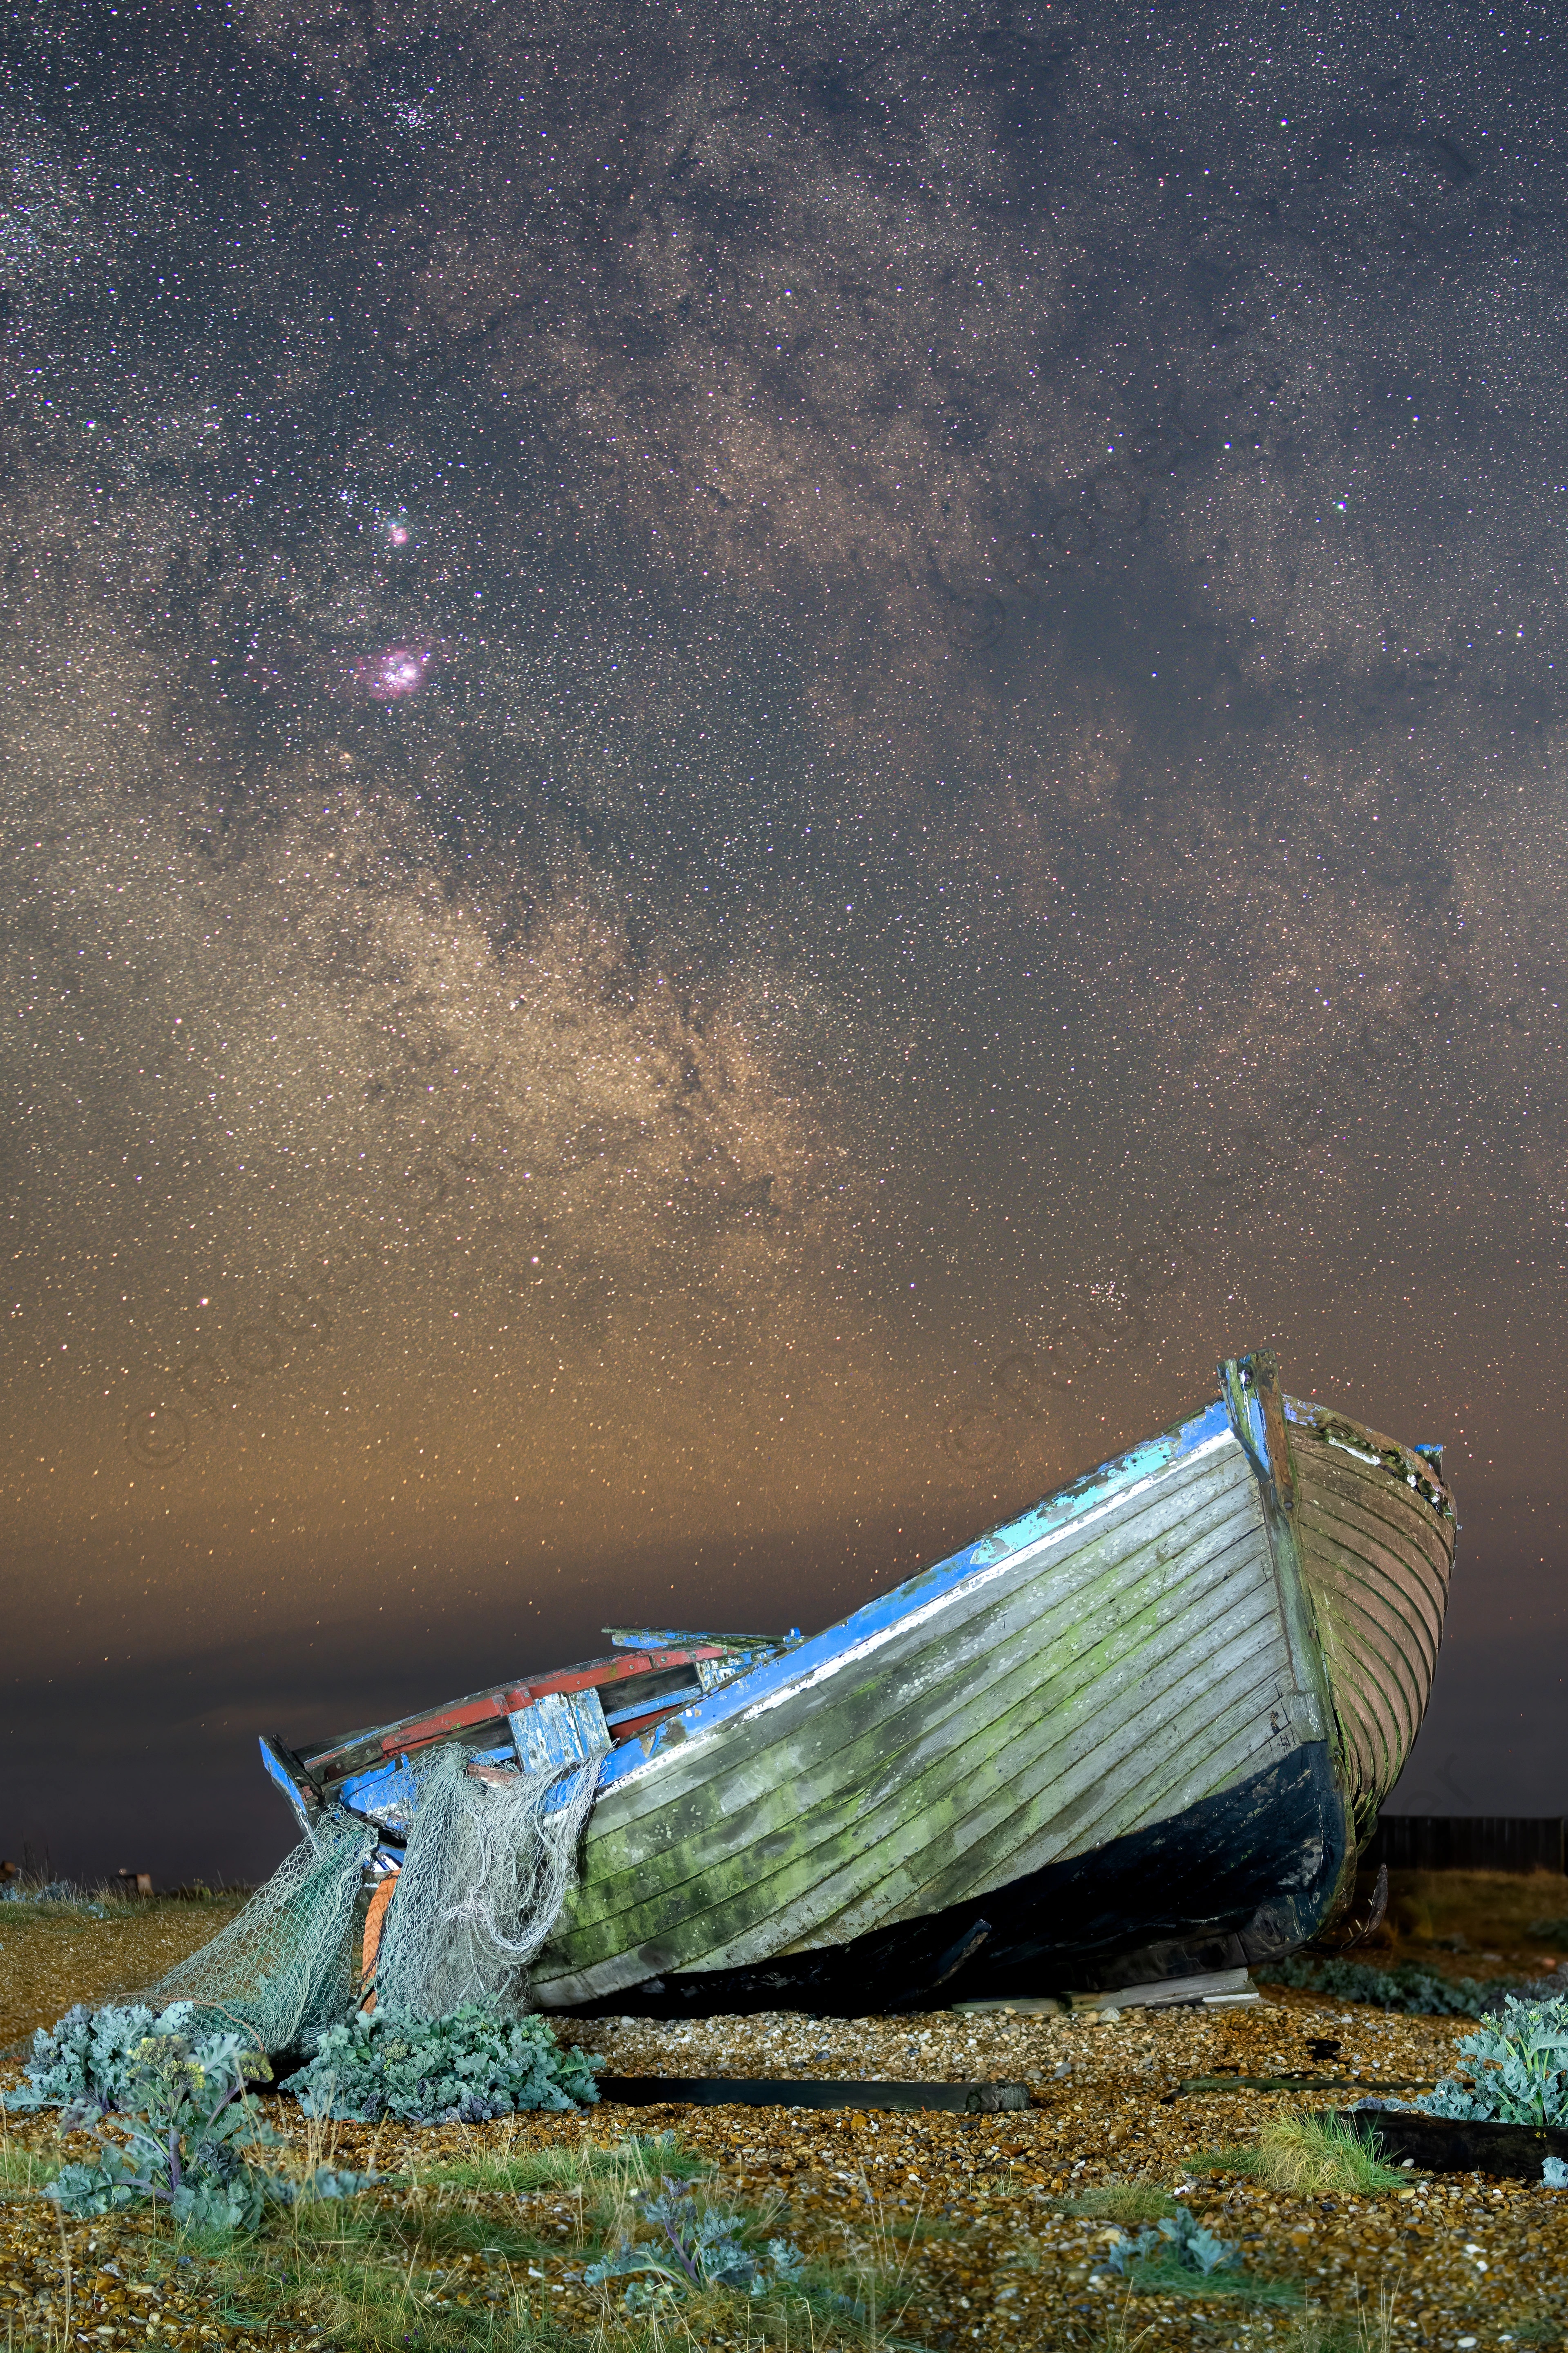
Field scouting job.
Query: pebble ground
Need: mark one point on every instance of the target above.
(968, 2211)
(54, 1954)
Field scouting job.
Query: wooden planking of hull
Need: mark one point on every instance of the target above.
(1377, 1530)
(1109, 1674)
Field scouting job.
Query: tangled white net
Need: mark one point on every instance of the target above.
(489, 1864)
(283, 1969)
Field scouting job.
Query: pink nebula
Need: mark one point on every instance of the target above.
(394, 673)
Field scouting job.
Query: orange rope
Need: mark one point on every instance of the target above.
(374, 1920)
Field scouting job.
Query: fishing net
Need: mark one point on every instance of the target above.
(488, 1867)
(282, 1969)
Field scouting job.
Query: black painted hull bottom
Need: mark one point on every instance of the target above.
(1234, 1881)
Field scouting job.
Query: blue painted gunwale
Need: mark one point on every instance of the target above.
(1053, 1513)
(775, 1677)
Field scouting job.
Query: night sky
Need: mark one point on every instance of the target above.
(756, 760)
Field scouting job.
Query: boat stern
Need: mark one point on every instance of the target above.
(1375, 1529)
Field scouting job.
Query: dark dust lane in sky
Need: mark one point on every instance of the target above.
(756, 760)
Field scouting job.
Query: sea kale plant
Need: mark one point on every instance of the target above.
(189, 2141)
(1518, 2069)
(1407, 1987)
(187, 2137)
(1177, 2242)
(692, 2248)
(463, 2068)
(90, 2059)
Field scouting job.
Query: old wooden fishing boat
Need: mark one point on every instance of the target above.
(1137, 1733)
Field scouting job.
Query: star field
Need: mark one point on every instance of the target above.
(755, 762)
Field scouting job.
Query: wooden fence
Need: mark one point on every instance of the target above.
(1466, 1842)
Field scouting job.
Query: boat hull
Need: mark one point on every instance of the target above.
(1137, 1660)
(1136, 1732)
(1227, 1882)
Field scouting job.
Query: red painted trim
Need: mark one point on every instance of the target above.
(417, 1732)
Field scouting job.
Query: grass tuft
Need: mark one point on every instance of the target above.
(1130, 2202)
(1308, 2155)
(1370, 2330)
(1117, 2335)
(639, 2161)
(25, 2171)
(1169, 2276)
